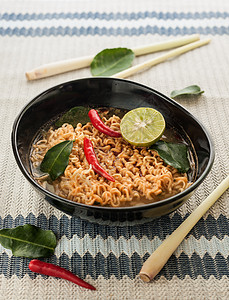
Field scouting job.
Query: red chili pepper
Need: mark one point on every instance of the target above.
(98, 124)
(93, 161)
(44, 268)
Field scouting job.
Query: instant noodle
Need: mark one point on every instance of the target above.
(141, 176)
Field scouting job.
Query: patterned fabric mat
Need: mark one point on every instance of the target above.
(110, 255)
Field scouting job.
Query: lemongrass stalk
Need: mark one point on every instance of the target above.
(160, 256)
(159, 59)
(165, 45)
(85, 61)
(59, 67)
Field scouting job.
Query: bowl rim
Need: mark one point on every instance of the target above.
(169, 200)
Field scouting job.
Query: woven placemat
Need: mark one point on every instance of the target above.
(110, 255)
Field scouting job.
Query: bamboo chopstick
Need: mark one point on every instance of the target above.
(85, 61)
(160, 256)
(161, 58)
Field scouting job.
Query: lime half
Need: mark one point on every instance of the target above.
(142, 126)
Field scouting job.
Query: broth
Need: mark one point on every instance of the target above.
(127, 186)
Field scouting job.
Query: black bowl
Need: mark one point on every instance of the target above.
(117, 93)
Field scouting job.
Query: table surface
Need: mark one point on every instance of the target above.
(110, 255)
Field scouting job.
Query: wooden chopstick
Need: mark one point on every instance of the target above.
(160, 256)
(85, 61)
(154, 61)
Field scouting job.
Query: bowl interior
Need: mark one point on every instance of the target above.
(108, 92)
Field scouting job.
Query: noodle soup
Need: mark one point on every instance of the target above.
(141, 175)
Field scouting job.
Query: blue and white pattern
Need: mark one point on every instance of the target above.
(124, 24)
(96, 249)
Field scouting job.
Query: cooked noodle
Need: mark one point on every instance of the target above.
(140, 174)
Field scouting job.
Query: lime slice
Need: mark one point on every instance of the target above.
(142, 126)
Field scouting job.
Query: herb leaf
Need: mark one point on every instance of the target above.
(78, 114)
(174, 155)
(56, 159)
(111, 61)
(189, 90)
(28, 241)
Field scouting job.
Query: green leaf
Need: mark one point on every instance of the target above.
(78, 114)
(174, 155)
(111, 61)
(28, 241)
(189, 90)
(56, 159)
